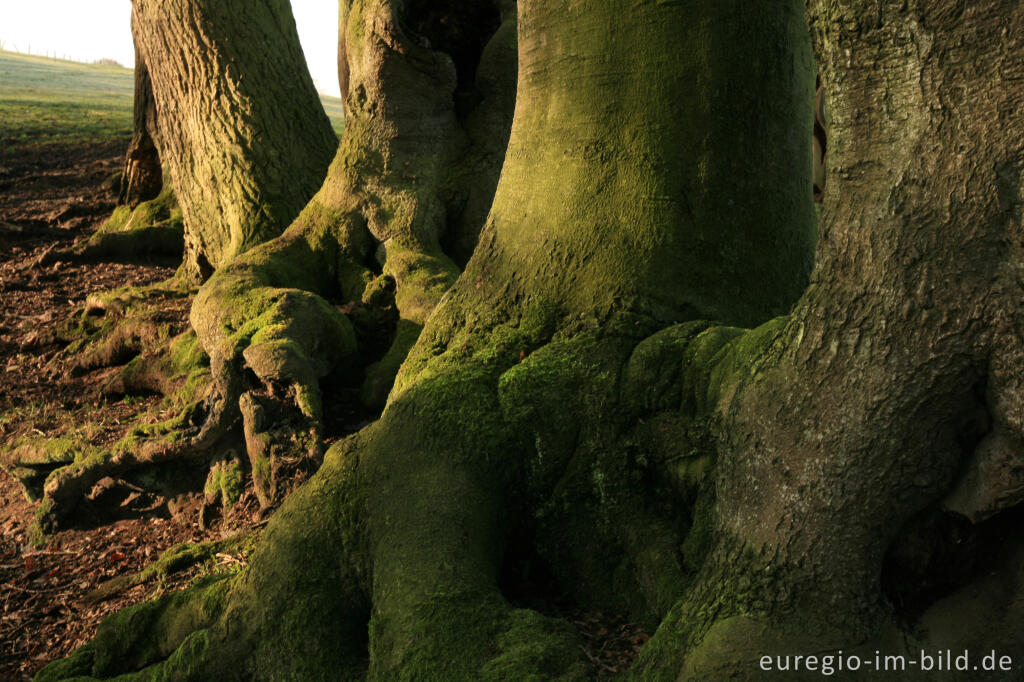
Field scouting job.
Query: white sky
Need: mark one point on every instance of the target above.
(87, 30)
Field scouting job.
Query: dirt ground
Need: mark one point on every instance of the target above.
(48, 202)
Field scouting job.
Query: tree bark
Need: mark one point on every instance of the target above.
(889, 391)
(575, 386)
(241, 130)
(410, 183)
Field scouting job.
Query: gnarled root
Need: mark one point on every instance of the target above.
(393, 550)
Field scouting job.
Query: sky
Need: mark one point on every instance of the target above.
(87, 30)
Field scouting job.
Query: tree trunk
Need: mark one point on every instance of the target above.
(241, 129)
(142, 176)
(147, 221)
(406, 194)
(892, 395)
(246, 142)
(526, 422)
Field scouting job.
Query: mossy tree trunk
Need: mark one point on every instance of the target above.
(382, 241)
(246, 142)
(241, 131)
(541, 411)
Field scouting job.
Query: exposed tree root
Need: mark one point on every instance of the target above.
(150, 230)
(426, 547)
(368, 239)
(552, 396)
(173, 560)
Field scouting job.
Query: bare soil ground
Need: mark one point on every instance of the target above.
(48, 200)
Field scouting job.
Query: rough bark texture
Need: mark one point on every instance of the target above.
(411, 172)
(895, 383)
(241, 131)
(541, 411)
(245, 138)
(142, 177)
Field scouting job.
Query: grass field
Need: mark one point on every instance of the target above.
(51, 102)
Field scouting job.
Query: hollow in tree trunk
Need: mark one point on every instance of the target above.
(142, 177)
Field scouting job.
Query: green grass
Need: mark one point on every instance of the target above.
(335, 112)
(46, 102)
(51, 102)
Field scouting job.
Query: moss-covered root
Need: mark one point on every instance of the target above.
(297, 611)
(152, 228)
(115, 326)
(437, 519)
(389, 556)
(195, 429)
(287, 338)
(399, 514)
(175, 559)
(170, 631)
(179, 370)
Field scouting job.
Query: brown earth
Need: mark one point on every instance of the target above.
(49, 201)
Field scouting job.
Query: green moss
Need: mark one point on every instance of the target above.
(353, 279)
(212, 485)
(699, 361)
(117, 220)
(422, 278)
(535, 648)
(261, 467)
(585, 483)
(32, 458)
(39, 530)
(231, 483)
(539, 398)
(737, 360)
(152, 227)
(148, 633)
(652, 379)
(284, 334)
(175, 559)
(186, 355)
(40, 450)
(473, 636)
(169, 429)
